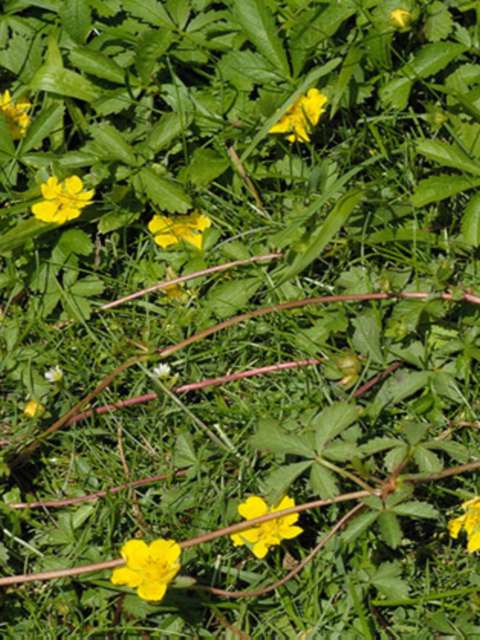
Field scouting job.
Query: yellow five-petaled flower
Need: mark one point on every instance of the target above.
(266, 534)
(149, 567)
(16, 114)
(169, 231)
(62, 201)
(302, 116)
(470, 521)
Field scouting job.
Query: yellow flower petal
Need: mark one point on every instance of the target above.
(260, 549)
(285, 503)
(160, 224)
(253, 507)
(65, 214)
(282, 126)
(165, 240)
(73, 185)
(136, 554)
(126, 576)
(290, 532)
(165, 550)
(251, 536)
(50, 189)
(152, 591)
(187, 235)
(45, 210)
(455, 525)
(199, 221)
(473, 542)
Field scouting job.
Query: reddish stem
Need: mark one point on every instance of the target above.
(190, 276)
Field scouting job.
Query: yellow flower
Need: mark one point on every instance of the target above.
(149, 568)
(63, 201)
(266, 534)
(16, 114)
(470, 521)
(302, 116)
(400, 18)
(171, 231)
(33, 409)
(173, 291)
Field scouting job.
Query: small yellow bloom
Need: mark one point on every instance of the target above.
(149, 568)
(266, 534)
(33, 409)
(186, 228)
(470, 521)
(302, 116)
(16, 114)
(401, 18)
(63, 201)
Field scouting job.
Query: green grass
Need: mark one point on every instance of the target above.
(197, 77)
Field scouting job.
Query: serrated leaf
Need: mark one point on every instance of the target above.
(76, 19)
(439, 188)
(388, 581)
(323, 481)
(168, 127)
(390, 529)
(229, 297)
(64, 82)
(448, 155)
(455, 450)
(271, 437)
(340, 451)
(111, 145)
(471, 221)
(357, 526)
(166, 194)
(152, 45)
(277, 483)
(97, 64)
(366, 339)
(439, 23)
(375, 445)
(427, 461)
(400, 386)
(75, 241)
(87, 287)
(47, 121)
(330, 422)
(206, 166)
(258, 23)
(416, 509)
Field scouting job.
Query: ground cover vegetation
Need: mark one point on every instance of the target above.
(239, 281)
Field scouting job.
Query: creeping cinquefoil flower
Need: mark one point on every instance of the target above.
(266, 534)
(63, 201)
(302, 116)
(470, 522)
(169, 231)
(16, 114)
(149, 567)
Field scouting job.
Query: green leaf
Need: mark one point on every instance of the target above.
(76, 19)
(153, 44)
(323, 481)
(166, 194)
(150, 11)
(278, 482)
(455, 450)
(357, 526)
(439, 23)
(258, 23)
(64, 82)
(471, 221)
(116, 220)
(400, 386)
(375, 445)
(111, 145)
(87, 287)
(332, 421)
(340, 451)
(206, 165)
(390, 529)
(47, 121)
(75, 241)
(349, 65)
(427, 461)
(320, 238)
(448, 155)
(440, 187)
(21, 233)
(416, 509)
(228, 297)
(97, 64)
(271, 437)
(366, 339)
(167, 128)
(388, 582)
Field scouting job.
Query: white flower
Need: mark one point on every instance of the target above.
(162, 371)
(55, 374)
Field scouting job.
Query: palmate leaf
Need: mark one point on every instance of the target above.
(330, 422)
(323, 481)
(259, 25)
(277, 483)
